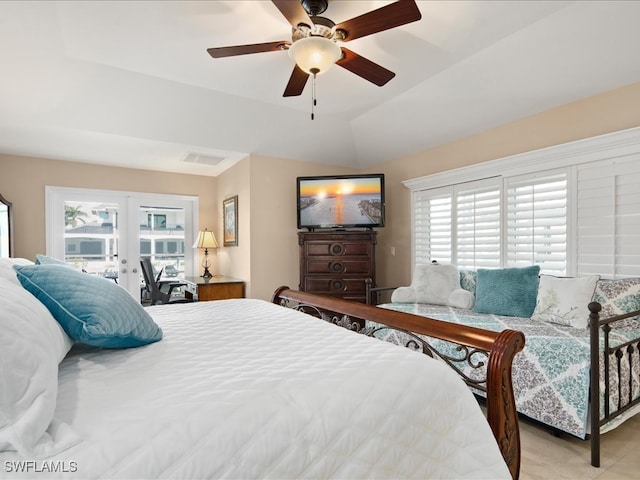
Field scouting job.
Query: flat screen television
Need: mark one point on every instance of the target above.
(341, 201)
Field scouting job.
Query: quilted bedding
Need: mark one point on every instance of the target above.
(244, 389)
(551, 375)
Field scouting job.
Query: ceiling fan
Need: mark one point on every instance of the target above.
(313, 44)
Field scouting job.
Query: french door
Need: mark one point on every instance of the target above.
(105, 233)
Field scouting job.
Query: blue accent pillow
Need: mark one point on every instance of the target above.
(507, 291)
(92, 310)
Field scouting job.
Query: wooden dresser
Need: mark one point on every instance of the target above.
(337, 263)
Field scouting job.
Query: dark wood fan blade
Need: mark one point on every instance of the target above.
(365, 68)
(296, 84)
(246, 49)
(384, 18)
(293, 12)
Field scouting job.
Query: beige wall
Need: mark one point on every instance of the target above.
(22, 182)
(274, 239)
(267, 253)
(235, 261)
(609, 112)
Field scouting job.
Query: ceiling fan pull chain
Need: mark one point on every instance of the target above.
(313, 93)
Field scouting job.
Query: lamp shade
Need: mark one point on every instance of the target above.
(314, 54)
(206, 239)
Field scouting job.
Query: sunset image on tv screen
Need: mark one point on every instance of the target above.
(336, 202)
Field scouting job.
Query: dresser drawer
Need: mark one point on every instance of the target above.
(333, 249)
(335, 285)
(340, 265)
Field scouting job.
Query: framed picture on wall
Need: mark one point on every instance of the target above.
(230, 216)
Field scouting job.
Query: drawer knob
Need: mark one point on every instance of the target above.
(336, 249)
(337, 285)
(337, 267)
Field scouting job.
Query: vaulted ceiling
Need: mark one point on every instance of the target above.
(131, 83)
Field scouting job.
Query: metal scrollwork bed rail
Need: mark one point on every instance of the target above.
(496, 350)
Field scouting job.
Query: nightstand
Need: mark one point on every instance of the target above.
(214, 288)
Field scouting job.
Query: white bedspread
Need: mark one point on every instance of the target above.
(247, 389)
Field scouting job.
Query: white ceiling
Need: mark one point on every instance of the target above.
(131, 83)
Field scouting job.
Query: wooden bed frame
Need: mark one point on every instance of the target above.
(476, 347)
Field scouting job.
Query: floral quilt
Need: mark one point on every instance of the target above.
(551, 374)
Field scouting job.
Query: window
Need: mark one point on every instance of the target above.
(477, 233)
(432, 224)
(608, 217)
(537, 222)
(467, 231)
(459, 224)
(573, 209)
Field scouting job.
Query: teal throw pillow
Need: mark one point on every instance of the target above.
(507, 291)
(92, 310)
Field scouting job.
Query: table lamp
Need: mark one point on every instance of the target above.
(206, 240)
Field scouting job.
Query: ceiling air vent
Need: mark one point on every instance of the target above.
(203, 159)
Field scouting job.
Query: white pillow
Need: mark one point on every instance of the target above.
(32, 344)
(565, 300)
(461, 298)
(437, 284)
(7, 271)
(403, 295)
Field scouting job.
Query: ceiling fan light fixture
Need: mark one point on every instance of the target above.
(315, 54)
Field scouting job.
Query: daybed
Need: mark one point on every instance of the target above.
(235, 388)
(566, 341)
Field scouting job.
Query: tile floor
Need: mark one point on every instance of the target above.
(545, 456)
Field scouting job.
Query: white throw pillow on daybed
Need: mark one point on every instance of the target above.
(437, 284)
(461, 298)
(565, 300)
(32, 344)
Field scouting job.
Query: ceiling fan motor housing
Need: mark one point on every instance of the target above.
(314, 7)
(322, 27)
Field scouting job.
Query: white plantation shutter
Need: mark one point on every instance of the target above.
(462, 223)
(459, 224)
(477, 233)
(573, 209)
(608, 221)
(432, 225)
(537, 221)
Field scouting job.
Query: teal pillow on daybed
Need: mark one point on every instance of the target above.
(92, 310)
(507, 291)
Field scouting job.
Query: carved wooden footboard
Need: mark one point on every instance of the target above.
(474, 346)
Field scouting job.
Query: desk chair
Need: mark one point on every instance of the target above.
(157, 290)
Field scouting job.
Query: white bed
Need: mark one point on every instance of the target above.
(248, 389)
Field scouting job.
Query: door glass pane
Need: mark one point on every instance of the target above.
(162, 233)
(91, 237)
